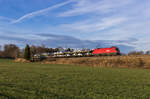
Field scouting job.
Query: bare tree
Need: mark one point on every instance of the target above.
(10, 51)
(147, 52)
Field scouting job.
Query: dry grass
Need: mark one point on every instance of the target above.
(21, 60)
(140, 61)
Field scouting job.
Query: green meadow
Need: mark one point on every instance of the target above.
(46, 81)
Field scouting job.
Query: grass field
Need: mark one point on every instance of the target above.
(45, 81)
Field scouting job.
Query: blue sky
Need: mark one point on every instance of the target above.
(128, 21)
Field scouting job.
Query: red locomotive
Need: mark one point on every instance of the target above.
(106, 51)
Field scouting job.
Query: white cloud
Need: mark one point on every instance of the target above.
(94, 24)
(39, 12)
(95, 6)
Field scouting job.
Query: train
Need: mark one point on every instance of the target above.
(112, 51)
(106, 51)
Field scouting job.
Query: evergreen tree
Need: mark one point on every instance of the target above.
(27, 54)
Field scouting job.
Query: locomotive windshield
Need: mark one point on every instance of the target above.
(117, 49)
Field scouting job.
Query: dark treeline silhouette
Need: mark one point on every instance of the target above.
(139, 53)
(13, 51)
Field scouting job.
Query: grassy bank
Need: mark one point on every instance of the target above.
(141, 61)
(45, 81)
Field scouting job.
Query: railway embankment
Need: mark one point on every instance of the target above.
(139, 61)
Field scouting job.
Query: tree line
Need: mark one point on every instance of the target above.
(13, 51)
